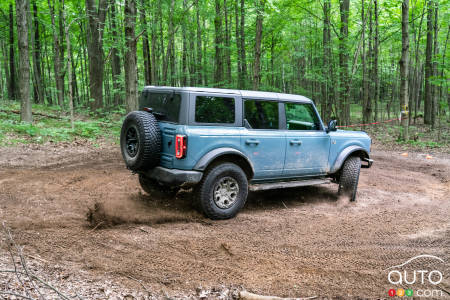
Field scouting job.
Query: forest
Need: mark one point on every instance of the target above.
(360, 61)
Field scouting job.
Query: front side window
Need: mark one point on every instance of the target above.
(261, 114)
(301, 116)
(210, 109)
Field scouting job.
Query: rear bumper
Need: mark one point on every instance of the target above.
(368, 161)
(174, 177)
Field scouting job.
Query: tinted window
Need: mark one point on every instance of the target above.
(210, 109)
(300, 116)
(166, 105)
(261, 114)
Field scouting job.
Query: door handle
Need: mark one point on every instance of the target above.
(295, 142)
(252, 141)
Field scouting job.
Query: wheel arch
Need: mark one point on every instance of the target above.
(226, 155)
(347, 152)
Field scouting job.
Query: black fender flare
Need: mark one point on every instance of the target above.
(346, 153)
(209, 157)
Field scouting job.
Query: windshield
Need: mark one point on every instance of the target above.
(165, 105)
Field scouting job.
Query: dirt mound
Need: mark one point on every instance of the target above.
(139, 209)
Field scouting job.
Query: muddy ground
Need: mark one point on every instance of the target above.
(293, 243)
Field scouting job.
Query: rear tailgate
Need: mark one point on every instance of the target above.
(168, 132)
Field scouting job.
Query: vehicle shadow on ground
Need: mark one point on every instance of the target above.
(291, 197)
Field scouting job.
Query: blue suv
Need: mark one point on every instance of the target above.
(224, 143)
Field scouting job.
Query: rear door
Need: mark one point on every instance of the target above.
(262, 141)
(307, 143)
(214, 122)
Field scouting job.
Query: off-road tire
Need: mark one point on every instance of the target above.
(205, 191)
(349, 177)
(148, 150)
(153, 188)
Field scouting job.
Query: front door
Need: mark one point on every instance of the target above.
(307, 143)
(264, 144)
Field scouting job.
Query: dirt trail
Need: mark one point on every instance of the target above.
(298, 242)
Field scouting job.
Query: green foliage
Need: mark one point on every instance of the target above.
(54, 129)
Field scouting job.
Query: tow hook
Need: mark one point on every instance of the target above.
(369, 162)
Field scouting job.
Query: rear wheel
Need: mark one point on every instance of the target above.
(222, 191)
(349, 177)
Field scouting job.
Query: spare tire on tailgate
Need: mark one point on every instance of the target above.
(140, 141)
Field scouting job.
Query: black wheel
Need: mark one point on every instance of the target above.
(349, 177)
(140, 141)
(154, 188)
(222, 191)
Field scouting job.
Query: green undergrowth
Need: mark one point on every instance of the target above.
(421, 137)
(50, 124)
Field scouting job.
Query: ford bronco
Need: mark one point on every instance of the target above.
(225, 143)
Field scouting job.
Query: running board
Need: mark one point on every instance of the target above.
(286, 184)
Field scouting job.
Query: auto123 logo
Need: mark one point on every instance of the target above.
(419, 276)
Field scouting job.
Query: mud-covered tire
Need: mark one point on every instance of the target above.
(349, 177)
(214, 178)
(146, 151)
(154, 188)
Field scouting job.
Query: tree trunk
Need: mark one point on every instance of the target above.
(184, 67)
(96, 20)
(227, 51)
(12, 87)
(36, 53)
(163, 60)
(154, 46)
(365, 83)
(69, 68)
(169, 58)
(199, 47)
(414, 91)
(5, 64)
(404, 61)
(115, 59)
(435, 95)
(171, 45)
(145, 45)
(218, 44)
(428, 64)
(240, 80)
(130, 55)
(444, 87)
(22, 8)
(326, 60)
(57, 67)
(343, 62)
(376, 79)
(242, 40)
(258, 37)
(84, 69)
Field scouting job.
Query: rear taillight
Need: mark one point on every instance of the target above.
(180, 146)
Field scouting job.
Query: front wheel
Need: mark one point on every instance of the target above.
(222, 191)
(349, 177)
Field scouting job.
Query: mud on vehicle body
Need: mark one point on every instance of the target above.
(225, 143)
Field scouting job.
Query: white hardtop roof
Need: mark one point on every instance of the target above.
(243, 93)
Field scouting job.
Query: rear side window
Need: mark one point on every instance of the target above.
(209, 109)
(301, 116)
(261, 114)
(165, 105)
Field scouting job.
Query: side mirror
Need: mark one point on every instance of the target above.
(332, 126)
